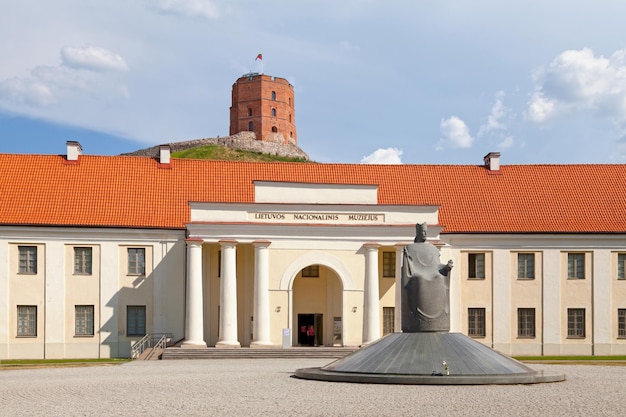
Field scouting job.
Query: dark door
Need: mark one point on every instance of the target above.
(306, 328)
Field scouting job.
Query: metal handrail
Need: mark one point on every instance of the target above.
(148, 341)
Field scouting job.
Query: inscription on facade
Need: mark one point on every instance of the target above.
(317, 217)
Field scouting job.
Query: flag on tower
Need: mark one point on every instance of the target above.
(259, 56)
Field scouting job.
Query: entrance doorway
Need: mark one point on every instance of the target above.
(310, 329)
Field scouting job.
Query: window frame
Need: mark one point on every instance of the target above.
(310, 271)
(134, 322)
(27, 259)
(574, 266)
(135, 266)
(476, 322)
(576, 325)
(389, 320)
(473, 265)
(83, 264)
(621, 323)
(389, 264)
(84, 320)
(621, 266)
(26, 326)
(526, 323)
(528, 271)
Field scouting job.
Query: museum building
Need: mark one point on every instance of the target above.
(98, 251)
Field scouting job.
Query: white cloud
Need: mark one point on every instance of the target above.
(26, 91)
(506, 143)
(578, 80)
(454, 133)
(388, 156)
(495, 121)
(92, 58)
(347, 46)
(188, 8)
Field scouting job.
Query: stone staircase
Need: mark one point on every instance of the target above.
(173, 353)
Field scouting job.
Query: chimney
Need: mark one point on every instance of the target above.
(73, 150)
(492, 161)
(164, 154)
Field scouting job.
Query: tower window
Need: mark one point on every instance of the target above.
(273, 112)
(274, 95)
(289, 118)
(274, 129)
(249, 111)
(251, 126)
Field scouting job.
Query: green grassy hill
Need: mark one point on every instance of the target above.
(224, 153)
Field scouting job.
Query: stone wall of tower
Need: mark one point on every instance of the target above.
(264, 105)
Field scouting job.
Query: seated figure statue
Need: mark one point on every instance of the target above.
(425, 287)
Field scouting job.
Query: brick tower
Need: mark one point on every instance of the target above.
(264, 105)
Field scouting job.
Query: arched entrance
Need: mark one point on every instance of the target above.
(317, 307)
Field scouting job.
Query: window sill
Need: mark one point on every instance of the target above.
(527, 337)
(477, 337)
(576, 337)
(575, 279)
(83, 336)
(19, 336)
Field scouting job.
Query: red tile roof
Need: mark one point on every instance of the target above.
(125, 191)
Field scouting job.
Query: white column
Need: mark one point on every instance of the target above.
(261, 324)
(551, 325)
(501, 301)
(601, 302)
(371, 302)
(228, 296)
(194, 333)
(397, 314)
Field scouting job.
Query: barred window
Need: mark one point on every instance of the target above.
(389, 264)
(621, 266)
(525, 266)
(135, 320)
(576, 322)
(525, 322)
(28, 259)
(621, 322)
(311, 271)
(476, 266)
(136, 261)
(26, 321)
(476, 322)
(83, 324)
(389, 317)
(82, 261)
(576, 266)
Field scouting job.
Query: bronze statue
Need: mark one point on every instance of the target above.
(425, 286)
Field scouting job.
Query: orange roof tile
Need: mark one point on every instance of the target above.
(127, 191)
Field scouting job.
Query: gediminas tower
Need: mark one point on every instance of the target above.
(264, 105)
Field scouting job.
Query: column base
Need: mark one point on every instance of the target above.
(227, 345)
(193, 344)
(262, 345)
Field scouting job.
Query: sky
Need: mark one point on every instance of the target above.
(381, 82)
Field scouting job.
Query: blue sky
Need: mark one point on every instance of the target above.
(420, 82)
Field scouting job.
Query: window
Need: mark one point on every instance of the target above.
(621, 322)
(389, 317)
(525, 266)
(136, 261)
(273, 95)
(311, 271)
(250, 126)
(82, 261)
(525, 322)
(621, 266)
(274, 129)
(249, 111)
(389, 264)
(28, 260)
(290, 118)
(273, 112)
(26, 321)
(83, 324)
(476, 322)
(135, 320)
(576, 266)
(476, 266)
(576, 322)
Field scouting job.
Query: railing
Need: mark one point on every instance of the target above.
(151, 340)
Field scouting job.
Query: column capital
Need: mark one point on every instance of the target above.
(228, 242)
(261, 243)
(372, 245)
(194, 241)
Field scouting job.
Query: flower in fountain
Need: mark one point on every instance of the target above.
(445, 366)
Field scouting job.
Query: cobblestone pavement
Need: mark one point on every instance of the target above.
(266, 387)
